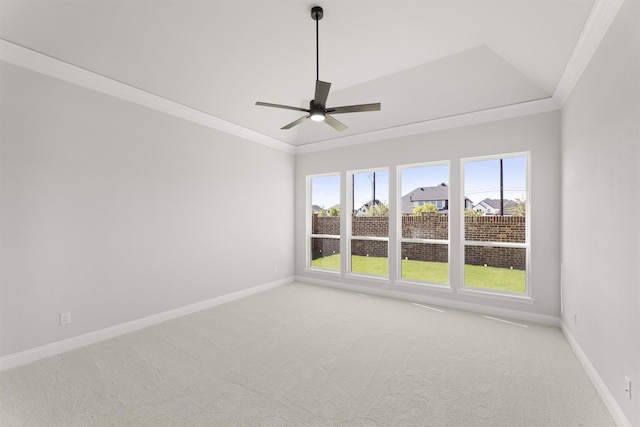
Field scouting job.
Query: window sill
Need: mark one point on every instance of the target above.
(429, 286)
(524, 299)
(378, 279)
(322, 271)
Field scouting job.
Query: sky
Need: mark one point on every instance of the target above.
(482, 180)
(363, 187)
(424, 176)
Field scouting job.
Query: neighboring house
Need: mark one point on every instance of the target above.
(365, 208)
(438, 196)
(492, 206)
(468, 204)
(316, 209)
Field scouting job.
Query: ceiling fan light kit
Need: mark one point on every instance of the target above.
(317, 110)
(317, 116)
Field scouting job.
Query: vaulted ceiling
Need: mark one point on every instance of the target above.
(423, 60)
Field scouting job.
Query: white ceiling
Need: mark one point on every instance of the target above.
(422, 60)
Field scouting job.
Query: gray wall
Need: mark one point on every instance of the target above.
(114, 212)
(601, 162)
(539, 134)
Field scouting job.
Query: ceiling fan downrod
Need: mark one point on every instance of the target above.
(317, 13)
(318, 110)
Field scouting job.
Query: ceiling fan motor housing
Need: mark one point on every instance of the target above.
(316, 111)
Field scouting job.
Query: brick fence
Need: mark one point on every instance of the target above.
(508, 229)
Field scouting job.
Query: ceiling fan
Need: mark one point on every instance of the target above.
(318, 110)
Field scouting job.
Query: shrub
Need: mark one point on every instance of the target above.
(427, 207)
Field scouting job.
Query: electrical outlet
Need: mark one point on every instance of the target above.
(575, 319)
(627, 387)
(65, 318)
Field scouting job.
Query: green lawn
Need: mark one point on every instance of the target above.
(437, 272)
(502, 279)
(331, 262)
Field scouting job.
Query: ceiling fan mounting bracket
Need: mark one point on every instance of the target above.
(317, 13)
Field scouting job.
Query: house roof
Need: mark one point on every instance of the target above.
(427, 194)
(495, 203)
(365, 207)
(424, 194)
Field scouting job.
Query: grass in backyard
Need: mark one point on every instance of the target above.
(437, 272)
(502, 279)
(331, 262)
(370, 265)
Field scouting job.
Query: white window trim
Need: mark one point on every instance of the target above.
(398, 280)
(309, 226)
(325, 236)
(496, 295)
(349, 228)
(496, 244)
(368, 277)
(373, 238)
(416, 240)
(492, 293)
(415, 284)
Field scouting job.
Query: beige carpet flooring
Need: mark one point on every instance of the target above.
(302, 355)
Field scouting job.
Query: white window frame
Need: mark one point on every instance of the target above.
(525, 297)
(349, 238)
(419, 283)
(309, 224)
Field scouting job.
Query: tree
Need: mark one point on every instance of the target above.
(469, 212)
(427, 207)
(518, 209)
(379, 209)
(332, 211)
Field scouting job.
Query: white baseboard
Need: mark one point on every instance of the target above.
(526, 316)
(611, 404)
(37, 353)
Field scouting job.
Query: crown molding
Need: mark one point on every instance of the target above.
(38, 62)
(597, 25)
(525, 108)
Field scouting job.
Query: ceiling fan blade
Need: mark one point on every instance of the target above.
(354, 108)
(322, 92)
(337, 125)
(295, 122)
(286, 107)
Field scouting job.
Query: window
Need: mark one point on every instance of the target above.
(424, 242)
(494, 219)
(369, 225)
(495, 241)
(324, 240)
